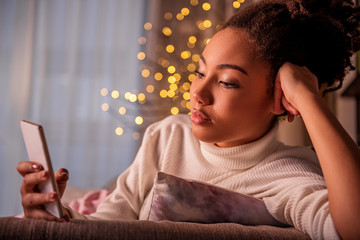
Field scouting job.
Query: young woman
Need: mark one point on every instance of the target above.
(271, 58)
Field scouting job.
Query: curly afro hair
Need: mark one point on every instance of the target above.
(319, 34)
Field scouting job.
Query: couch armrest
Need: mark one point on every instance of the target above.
(16, 228)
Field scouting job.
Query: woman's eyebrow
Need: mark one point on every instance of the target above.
(224, 66)
(231, 66)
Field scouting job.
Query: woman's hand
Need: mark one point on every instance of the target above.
(293, 84)
(32, 200)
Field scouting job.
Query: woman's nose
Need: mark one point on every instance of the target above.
(201, 93)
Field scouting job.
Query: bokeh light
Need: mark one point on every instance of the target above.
(142, 40)
(119, 131)
(173, 86)
(190, 45)
(136, 135)
(163, 93)
(148, 26)
(180, 16)
(164, 63)
(145, 73)
(191, 67)
(122, 110)
(207, 23)
(105, 107)
(115, 94)
(167, 31)
(127, 95)
(177, 76)
(200, 25)
(150, 88)
(191, 77)
(192, 39)
(236, 4)
(168, 16)
(194, 2)
(104, 92)
(139, 120)
(171, 93)
(185, 11)
(132, 98)
(195, 57)
(141, 97)
(170, 48)
(206, 6)
(158, 76)
(185, 54)
(186, 86)
(141, 55)
(186, 96)
(171, 79)
(171, 69)
(174, 111)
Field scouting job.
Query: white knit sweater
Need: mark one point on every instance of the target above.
(288, 179)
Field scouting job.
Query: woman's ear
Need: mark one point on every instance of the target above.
(278, 108)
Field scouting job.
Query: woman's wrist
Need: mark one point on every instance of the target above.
(303, 100)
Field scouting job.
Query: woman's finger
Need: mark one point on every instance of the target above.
(38, 213)
(27, 167)
(31, 181)
(37, 200)
(291, 111)
(62, 176)
(290, 117)
(290, 108)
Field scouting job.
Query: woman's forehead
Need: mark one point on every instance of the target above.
(230, 46)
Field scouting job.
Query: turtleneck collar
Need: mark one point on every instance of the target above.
(244, 156)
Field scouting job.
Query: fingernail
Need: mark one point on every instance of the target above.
(52, 196)
(35, 166)
(64, 174)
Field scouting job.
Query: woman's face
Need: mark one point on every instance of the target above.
(231, 99)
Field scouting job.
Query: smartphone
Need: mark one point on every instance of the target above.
(37, 151)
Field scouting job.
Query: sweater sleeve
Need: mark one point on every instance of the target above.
(132, 186)
(299, 196)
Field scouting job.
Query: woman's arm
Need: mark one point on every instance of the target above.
(339, 156)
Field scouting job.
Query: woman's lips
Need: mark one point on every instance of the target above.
(199, 118)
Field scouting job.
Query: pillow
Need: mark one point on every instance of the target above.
(176, 199)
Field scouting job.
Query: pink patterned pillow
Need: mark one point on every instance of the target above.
(176, 199)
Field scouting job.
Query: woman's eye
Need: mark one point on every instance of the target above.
(228, 84)
(199, 74)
